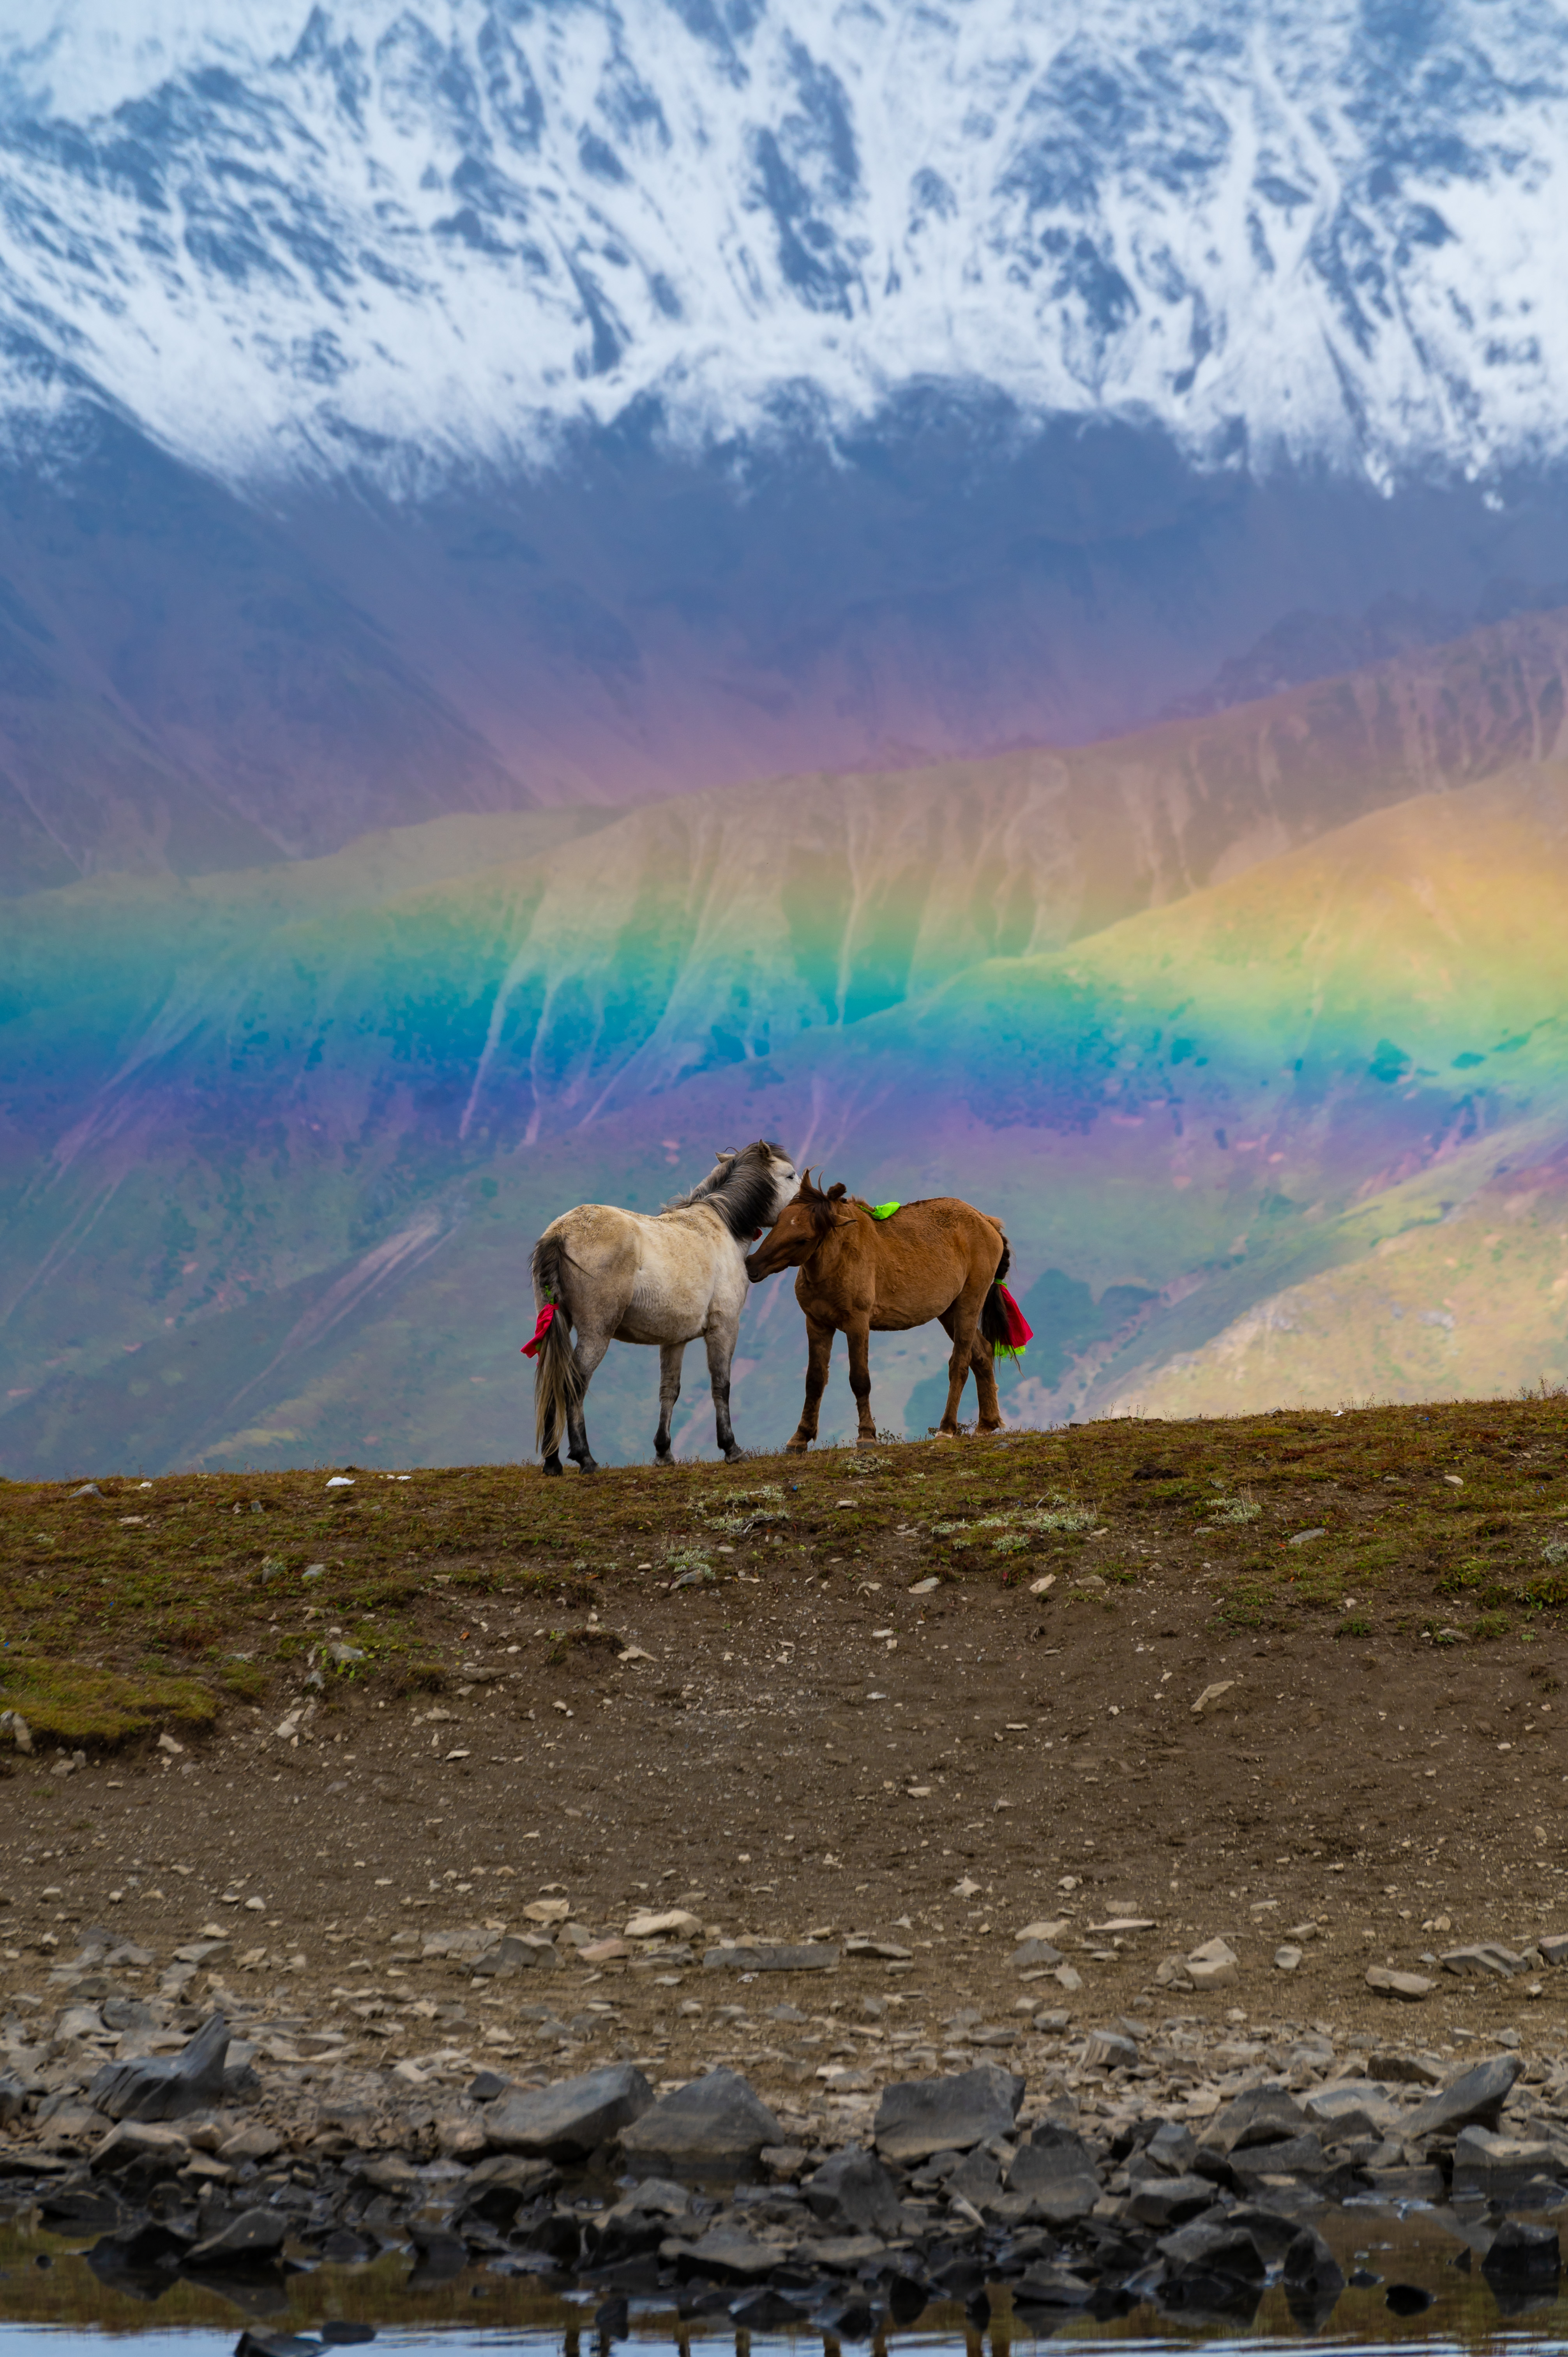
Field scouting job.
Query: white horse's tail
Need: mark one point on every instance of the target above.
(557, 1385)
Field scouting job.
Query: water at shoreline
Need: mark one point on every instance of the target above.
(50, 2296)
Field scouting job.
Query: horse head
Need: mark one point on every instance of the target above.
(803, 1224)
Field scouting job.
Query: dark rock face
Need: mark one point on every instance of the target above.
(854, 2192)
(715, 2125)
(1475, 2098)
(927, 2116)
(161, 2087)
(1523, 2256)
(1054, 2169)
(251, 2239)
(569, 2121)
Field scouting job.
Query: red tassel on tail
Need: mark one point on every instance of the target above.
(1019, 1329)
(530, 1350)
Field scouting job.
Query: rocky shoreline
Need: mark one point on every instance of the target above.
(1176, 2165)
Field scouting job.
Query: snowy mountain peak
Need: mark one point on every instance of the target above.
(410, 235)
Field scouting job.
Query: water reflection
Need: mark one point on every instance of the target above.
(1406, 2286)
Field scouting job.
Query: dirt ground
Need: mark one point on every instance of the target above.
(831, 1696)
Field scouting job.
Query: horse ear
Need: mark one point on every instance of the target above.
(836, 1192)
(725, 1155)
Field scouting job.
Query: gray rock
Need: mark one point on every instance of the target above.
(714, 2125)
(1553, 1947)
(1309, 2265)
(1354, 2107)
(1297, 2156)
(1055, 2172)
(513, 1953)
(920, 2116)
(497, 2189)
(1260, 2115)
(1406, 2069)
(166, 2087)
(13, 2101)
(1032, 1954)
(142, 2146)
(572, 2119)
(1173, 2147)
(846, 2254)
(867, 1944)
(726, 2252)
(1107, 2050)
(771, 1957)
(853, 2193)
(1486, 1957)
(1488, 2163)
(1168, 2201)
(1411, 1986)
(1406, 2184)
(249, 2240)
(976, 2180)
(1475, 2098)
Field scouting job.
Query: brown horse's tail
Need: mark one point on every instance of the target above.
(557, 1385)
(993, 1317)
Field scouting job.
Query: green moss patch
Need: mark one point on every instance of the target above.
(65, 1703)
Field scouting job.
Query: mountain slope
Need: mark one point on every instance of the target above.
(368, 233)
(283, 1138)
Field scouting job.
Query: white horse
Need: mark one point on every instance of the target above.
(625, 1276)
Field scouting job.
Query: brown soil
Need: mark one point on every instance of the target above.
(803, 1744)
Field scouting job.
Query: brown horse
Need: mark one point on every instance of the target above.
(937, 1259)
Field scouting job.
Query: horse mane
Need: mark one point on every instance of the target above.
(739, 1187)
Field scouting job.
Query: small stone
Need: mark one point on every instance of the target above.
(1055, 1928)
(1411, 1986)
(1107, 2050)
(1067, 1977)
(167, 1744)
(924, 1586)
(15, 1726)
(1211, 1694)
(249, 2240)
(1287, 1959)
(1553, 1946)
(1213, 1965)
(1301, 1537)
(675, 1923)
(770, 1957)
(548, 1910)
(1035, 1955)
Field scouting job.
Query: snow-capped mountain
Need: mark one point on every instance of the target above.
(405, 237)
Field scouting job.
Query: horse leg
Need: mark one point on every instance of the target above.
(859, 1340)
(958, 1367)
(962, 1322)
(721, 1341)
(818, 1350)
(982, 1359)
(670, 1357)
(590, 1350)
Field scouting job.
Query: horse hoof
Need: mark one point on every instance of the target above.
(663, 1459)
(735, 1455)
(553, 1465)
(866, 1440)
(586, 1464)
